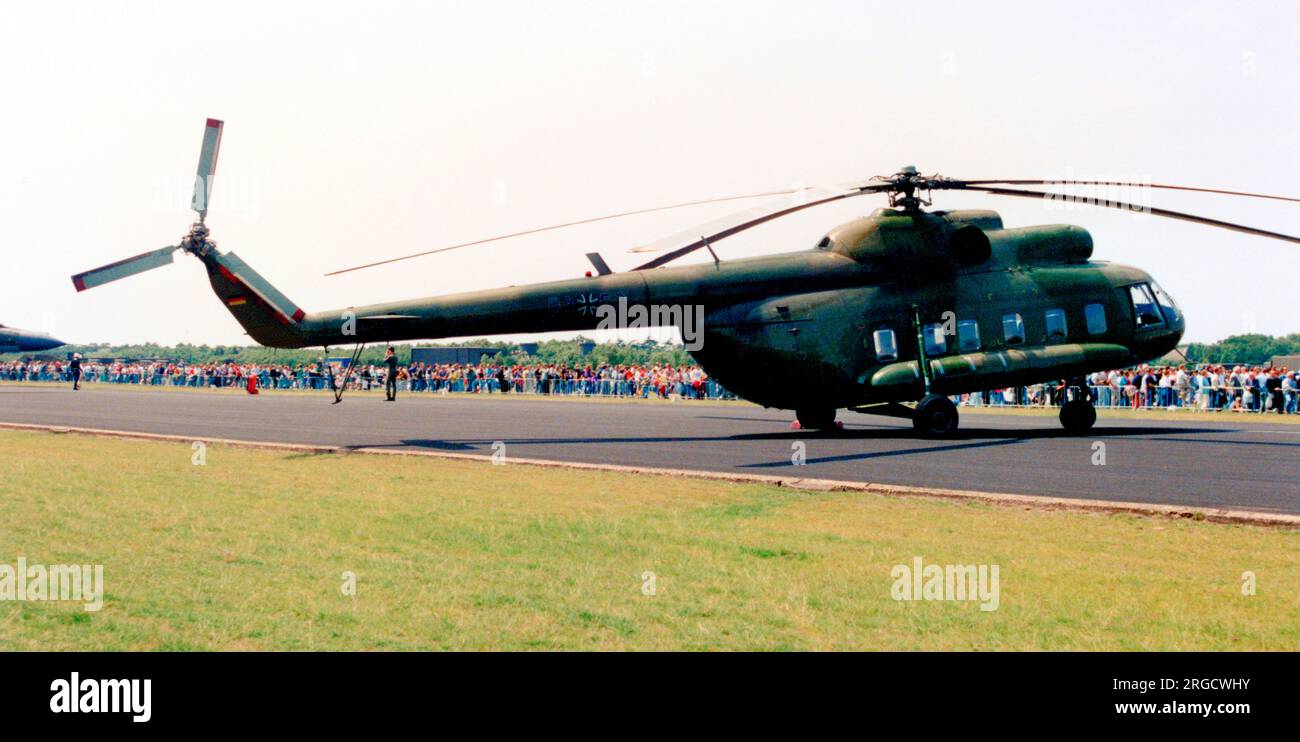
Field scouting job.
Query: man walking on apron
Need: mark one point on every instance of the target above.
(390, 378)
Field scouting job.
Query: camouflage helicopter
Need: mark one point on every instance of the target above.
(904, 305)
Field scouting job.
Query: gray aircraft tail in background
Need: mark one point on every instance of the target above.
(13, 340)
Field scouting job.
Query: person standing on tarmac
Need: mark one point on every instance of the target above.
(75, 368)
(390, 377)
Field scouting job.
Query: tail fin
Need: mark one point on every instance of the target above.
(268, 315)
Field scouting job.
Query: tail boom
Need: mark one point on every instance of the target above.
(557, 306)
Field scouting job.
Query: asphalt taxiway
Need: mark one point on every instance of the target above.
(1230, 463)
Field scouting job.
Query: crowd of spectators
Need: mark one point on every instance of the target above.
(1208, 387)
(1236, 388)
(591, 380)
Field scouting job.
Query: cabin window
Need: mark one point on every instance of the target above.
(968, 335)
(1056, 328)
(1095, 314)
(1144, 306)
(886, 345)
(1013, 329)
(825, 243)
(936, 343)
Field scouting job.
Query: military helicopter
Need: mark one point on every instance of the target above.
(904, 305)
(14, 340)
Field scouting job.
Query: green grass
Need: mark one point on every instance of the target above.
(248, 552)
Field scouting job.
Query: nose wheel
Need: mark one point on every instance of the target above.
(815, 419)
(935, 417)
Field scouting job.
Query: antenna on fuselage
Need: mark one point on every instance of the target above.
(707, 246)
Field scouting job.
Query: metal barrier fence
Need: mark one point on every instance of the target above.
(1221, 398)
(1237, 398)
(528, 384)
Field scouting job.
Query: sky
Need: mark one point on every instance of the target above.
(360, 131)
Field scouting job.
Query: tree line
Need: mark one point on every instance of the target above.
(1254, 350)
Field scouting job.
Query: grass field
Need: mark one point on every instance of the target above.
(248, 552)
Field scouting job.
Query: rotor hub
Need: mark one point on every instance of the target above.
(905, 186)
(196, 241)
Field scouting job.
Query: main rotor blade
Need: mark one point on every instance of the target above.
(558, 226)
(1162, 186)
(123, 268)
(693, 239)
(1149, 209)
(207, 166)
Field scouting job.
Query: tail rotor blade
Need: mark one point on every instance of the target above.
(207, 166)
(123, 268)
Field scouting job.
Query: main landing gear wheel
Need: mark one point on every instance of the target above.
(935, 417)
(1078, 416)
(819, 419)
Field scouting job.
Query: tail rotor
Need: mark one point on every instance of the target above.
(195, 242)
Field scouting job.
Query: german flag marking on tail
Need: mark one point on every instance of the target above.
(254, 287)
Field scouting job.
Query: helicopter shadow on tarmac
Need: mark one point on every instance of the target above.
(961, 440)
(972, 438)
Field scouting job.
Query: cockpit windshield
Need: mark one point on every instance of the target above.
(1167, 303)
(1145, 310)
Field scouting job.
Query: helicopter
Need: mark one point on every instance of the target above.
(905, 305)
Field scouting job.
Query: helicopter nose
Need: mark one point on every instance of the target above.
(1177, 322)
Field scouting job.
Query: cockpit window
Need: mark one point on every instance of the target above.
(1167, 303)
(825, 243)
(1144, 306)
